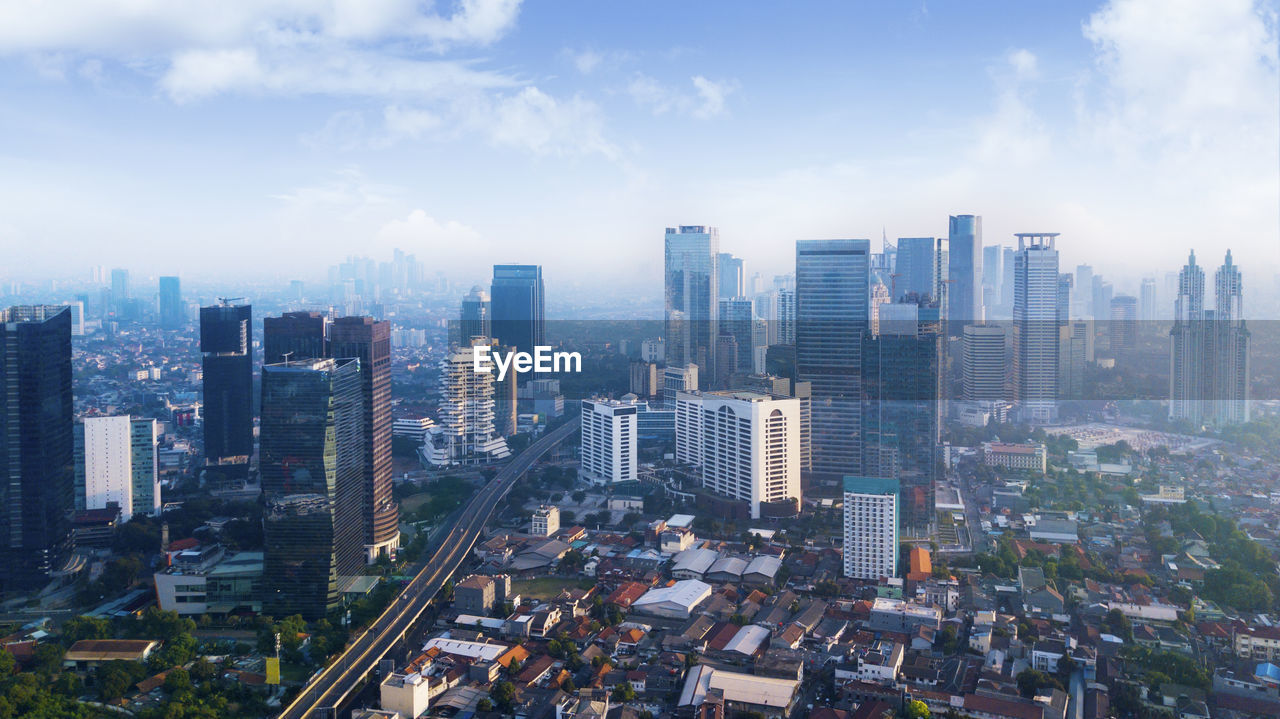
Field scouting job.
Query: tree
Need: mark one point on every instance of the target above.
(503, 695)
(624, 692)
(48, 659)
(112, 679)
(177, 680)
(917, 709)
(484, 705)
(202, 670)
(85, 627)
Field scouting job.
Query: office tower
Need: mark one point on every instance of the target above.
(37, 481)
(369, 341)
(1187, 345)
(1065, 280)
(870, 527)
(609, 435)
(312, 457)
(297, 290)
(732, 281)
(295, 336)
(984, 363)
(1007, 289)
(1209, 350)
(692, 284)
(172, 311)
(676, 380)
(517, 301)
(505, 398)
(787, 317)
(1075, 351)
(120, 297)
(736, 317)
(474, 316)
(901, 408)
(726, 356)
(964, 272)
(755, 285)
(879, 296)
(117, 462)
(464, 433)
(1230, 343)
(783, 388)
(1084, 292)
(746, 446)
(831, 318)
(916, 270)
(1123, 326)
(1035, 326)
(765, 310)
(97, 275)
(1147, 304)
(992, 271)
(645, 382)
(1102, 293)
(77, 317)
(228, 383)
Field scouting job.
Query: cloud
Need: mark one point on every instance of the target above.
(533, 120)
(707, 100)
(1024, 63)
(586, 60)
(419, 230)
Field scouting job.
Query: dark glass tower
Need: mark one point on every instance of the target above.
(312, 458)
(915, 269)
(300, 335)
(964, 271)
(171, 310)
(901, 410)
(228, 383)
(516, 299)
(37, 449)
(370, 342)
(831, 318)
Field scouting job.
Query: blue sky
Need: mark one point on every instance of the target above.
(282, 135)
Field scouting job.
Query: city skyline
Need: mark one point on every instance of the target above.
(226, 135)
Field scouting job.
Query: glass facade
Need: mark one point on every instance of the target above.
(228, 381)
(692, 285)
(516, 300)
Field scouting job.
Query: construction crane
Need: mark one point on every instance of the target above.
(226, 301)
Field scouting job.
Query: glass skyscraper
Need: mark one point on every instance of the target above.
(312, 459)
(692, 285)
(964, 272)
(1036, 320)
(831, 319)
(299, 335)
(517, 302)
(474, 316)
(37, 480)
(172, 312)
(915, 268)
(228, 383)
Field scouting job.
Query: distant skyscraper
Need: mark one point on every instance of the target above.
(732, 279)
(916, 269)
(1035, 325)
(1209, 382)
(37, 480)
(370, 341)
(745, 444)
(692, 285)
(787, 316)
(1123, 326)
(984, 363)
(172, 311)
(879, 296)
(1147, 303)
(77, 317)
(1084, 292)
(295, 336)
(120, 293)
(1007, 289)
(311, 459)
(474, 317)
(228, 383)
(870, 527)
(117, 461)
(736, 317)
(901, 418)
(964, 272)
(832, 300)
(517, 299)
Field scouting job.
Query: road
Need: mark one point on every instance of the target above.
(328, 689)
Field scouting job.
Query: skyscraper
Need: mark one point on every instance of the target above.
(964, 272)
(312, 454)
(1187, 345)
(1209, 352)
(870, 527)
(692, 286)
(732, 279)
(1147, 310)
(901, 408)
(1123, 326)
(228, 383)
(117, 461)
(1230, 347)
(984, 363)
(121, 299)
(294, 336)
(171, 307)
(1084, 292)
(916, 268)
(831, 318)
(37, 481)
(736, 317)
(1035, 325)
(465, 431)
(609, 437)
(474, 316)
(786, 317)
(517, 301)
(370, 341)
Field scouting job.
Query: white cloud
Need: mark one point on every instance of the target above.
(418, 231)
(533, 120)
(585, 61)
(707, 100)
(1024, 63)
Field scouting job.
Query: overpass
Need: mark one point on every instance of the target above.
(326, 692)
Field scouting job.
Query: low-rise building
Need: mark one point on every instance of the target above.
(1032, 457)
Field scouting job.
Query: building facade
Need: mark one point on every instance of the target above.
(117, 460)
(517, 300)
(1035, 326)
(871, 527)
(228, 383)
(609, 436)
(691, 256)
(964, 272)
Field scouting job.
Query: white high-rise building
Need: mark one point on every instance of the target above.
(465, 432)
(870, 527)
(787, 316)
(116, 461)
(77, 318)
(746, 444)
(608, 441)
(1035, 326)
